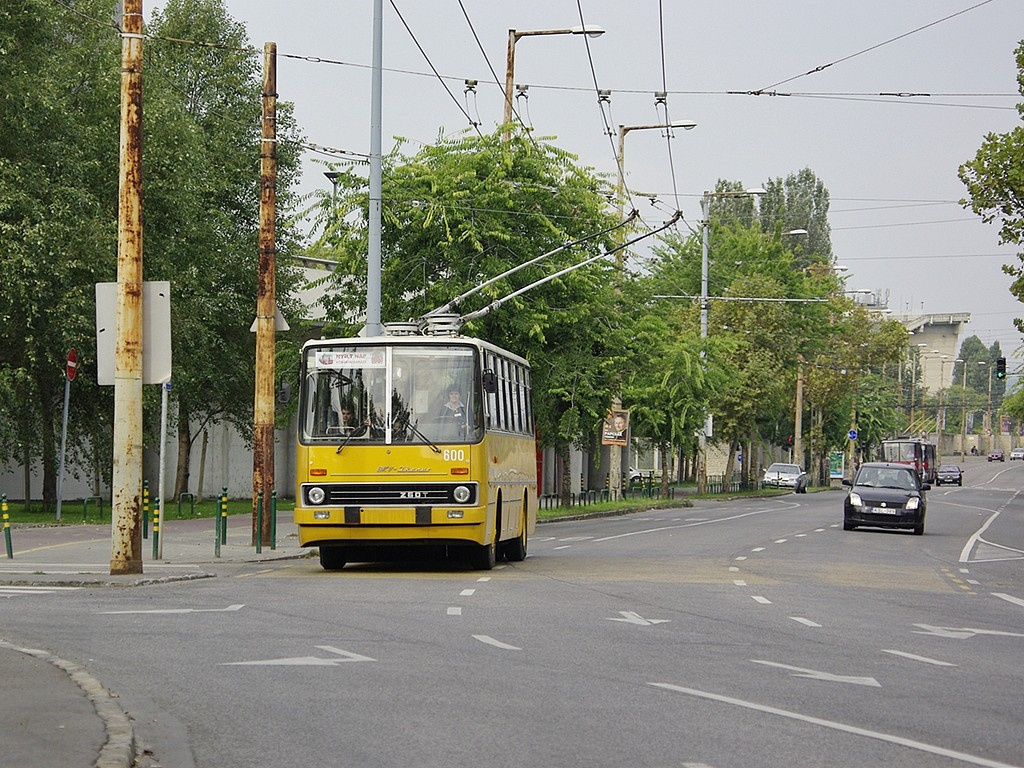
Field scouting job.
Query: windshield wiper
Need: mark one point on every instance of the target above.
(409, 425)
(356, 432)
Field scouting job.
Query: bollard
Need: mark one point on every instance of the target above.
(145, 509)
(259, 522)
(156, 528)
(273, 519)
(224, 516)
(192, 504)
(85, 507)
(7, 526)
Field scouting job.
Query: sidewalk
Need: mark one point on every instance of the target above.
(52, 711)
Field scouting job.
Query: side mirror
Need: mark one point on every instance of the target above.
(848, 482)
(284, 394)
(926, 486)
(490, 382)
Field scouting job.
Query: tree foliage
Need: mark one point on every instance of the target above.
(465, 210)
(58, 213)
(995, 186)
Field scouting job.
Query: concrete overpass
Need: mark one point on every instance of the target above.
(940, 333)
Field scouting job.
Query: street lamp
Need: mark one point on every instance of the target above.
(510, 63)
(615, 451)
(705, 210)
(963, 408)
(620, 192)
(913, 382)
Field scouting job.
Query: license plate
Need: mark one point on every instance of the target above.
(884, 511)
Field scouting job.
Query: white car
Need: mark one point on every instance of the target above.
(1017, 453)
(785, 476)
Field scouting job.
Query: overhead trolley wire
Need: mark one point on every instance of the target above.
(823, 67)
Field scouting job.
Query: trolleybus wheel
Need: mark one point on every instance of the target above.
(332, 558)
(484, 557)
(515, 550)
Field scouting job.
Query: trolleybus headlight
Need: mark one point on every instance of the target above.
(461, 494)
(316, 495)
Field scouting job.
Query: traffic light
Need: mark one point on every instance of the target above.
(1000, 367)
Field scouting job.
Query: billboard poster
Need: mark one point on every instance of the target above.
(835, 465)
(615, 430)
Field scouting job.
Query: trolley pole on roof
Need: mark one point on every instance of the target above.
(126, 480)
(266, 304)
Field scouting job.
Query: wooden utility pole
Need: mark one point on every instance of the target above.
(126, 491)
(266, 304)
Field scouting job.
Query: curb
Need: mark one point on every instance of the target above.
(119, 751)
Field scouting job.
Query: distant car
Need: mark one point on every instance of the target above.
(884, 495)
(949, 474)
(1017, 453)
(996, 456)
(785, 476)
(635, 475)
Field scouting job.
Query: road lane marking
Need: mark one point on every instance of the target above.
(229, 609)
(805, 622)
(1009, 598)
(844, 727)
(484, 578)
(739, 582)
(467, 592)
(496, 643)
(454, 610)
(696, 523)
(915, 657)
(762, 600)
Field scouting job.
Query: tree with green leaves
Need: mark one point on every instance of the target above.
(465, 210)
(58, 188)
(202, 161)
(995, 186)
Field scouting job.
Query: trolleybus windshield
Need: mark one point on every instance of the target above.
(383, 394)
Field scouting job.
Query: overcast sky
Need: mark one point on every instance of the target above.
(890, 163)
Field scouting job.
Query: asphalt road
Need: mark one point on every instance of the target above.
(753, 633)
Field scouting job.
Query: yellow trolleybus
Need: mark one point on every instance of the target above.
(409, 441)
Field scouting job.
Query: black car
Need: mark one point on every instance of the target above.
(884, 495)
(949, 474)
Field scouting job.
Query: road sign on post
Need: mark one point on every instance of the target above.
(72, 364)
(853, 434)
(70, 369)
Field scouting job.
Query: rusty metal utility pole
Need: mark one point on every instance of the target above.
(266, 304)
(126, 504)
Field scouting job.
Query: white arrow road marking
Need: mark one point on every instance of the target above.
(182, 610)
(844, 727)
(496, 643)
(814, 674)
(635, 618)
(304, 661)
(963, 633)
(919, 658)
